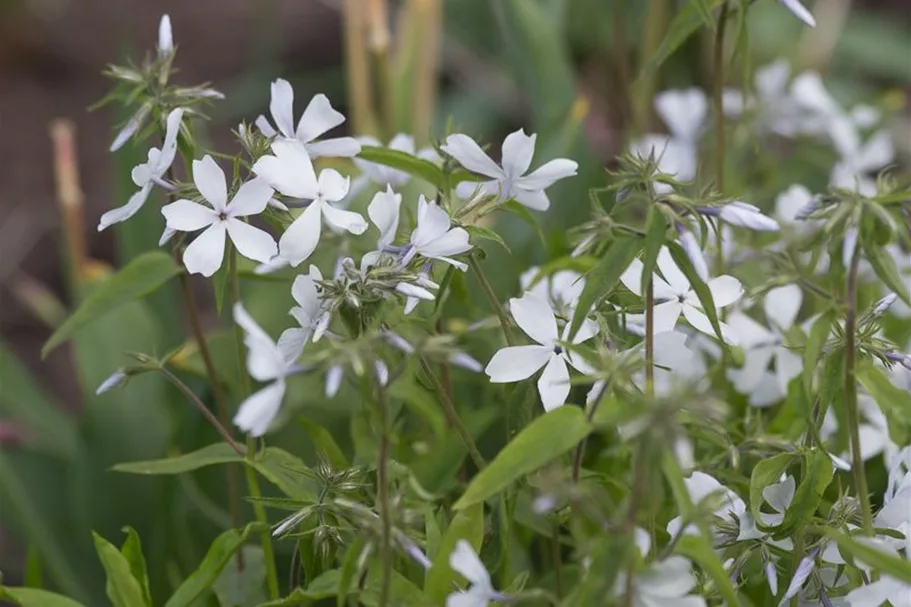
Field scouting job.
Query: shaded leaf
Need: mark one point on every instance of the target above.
(122, 588)
(408, 163)
(216, 453)
(468, 525)
(132, 552)
(883, 562)
(32, 597)
(603, 278)
(894, 402)
(684, 25)
(818, 473)
(765, 473)
(699, 550)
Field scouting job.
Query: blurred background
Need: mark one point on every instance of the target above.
(561, 68)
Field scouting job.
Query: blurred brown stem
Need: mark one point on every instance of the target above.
(358, 67)
(70, 198)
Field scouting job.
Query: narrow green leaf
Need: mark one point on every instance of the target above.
(655, 235)
(882, 562)
(404, 592)
(242, 588)
(217, 453)
(349, 568)
(468, 525)
(702, 290)
(414, 166)
(511, 206)
(287, 472)
(122, 588)
(682, 27)
(765, 473)
(485, 234)
(697, 549)
(818, 473)
(603, 278)
(325, 444)
(137, 279)
(886, 270)
(812, 353)
(201, 580)
(542, 441)
(894, 402)
(132, 552)
(32, 597)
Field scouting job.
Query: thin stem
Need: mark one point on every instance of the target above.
(580, 450)
(452, 416)
(382, 481)
(557, 559)
(259, 510)
(621, 61)
(853, 418)
(650, 337)
(222, 431)
(653, 33)
(238, 331)
(491, 297)
(718, 94)
(640, 481)
(360, 93)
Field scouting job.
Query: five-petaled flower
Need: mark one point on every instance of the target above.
(435, 238)
(205, 254)
(480, 591)
(510, 180)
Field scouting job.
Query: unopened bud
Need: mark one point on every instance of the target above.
(115, 379)
(884, 304)
(165, 37)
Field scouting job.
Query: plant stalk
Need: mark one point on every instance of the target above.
(492, 298)
(382, 481)
(851, 412)
(718, 96)
(650, 337)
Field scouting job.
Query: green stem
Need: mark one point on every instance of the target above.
(851, 412)
(452, 416)
(640, 481)
(492, 298)
(650, 337)
(718, 94)
(382, 481)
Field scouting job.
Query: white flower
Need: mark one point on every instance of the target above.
(310, 312)
(509, 180)
(779, 496)
(700, 486)
(804, 569)
(561, 289)
(676, 297)
(683, 112)
(693, 251)
(434, 238)
(290, 171)
(149, 173)
(790, 203)
(745, 215)
(515, 363)
(763, 345)
(204, 255)
(666, 582)
(800, 11)
(858, 160)
(266, 361)
(480, 591)
(774, 106)
(317, 119)
(165, 37)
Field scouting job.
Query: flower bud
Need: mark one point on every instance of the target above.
(165, 37)
(809, 208)
(693, 251)
(884, 304)
(115, 379)
(747, 216)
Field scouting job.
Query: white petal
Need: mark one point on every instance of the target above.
(290, 171)
(187, 216)
(165, 35)
(553, 385)
(800, 11)
(337, 147)
(166, 235)
(697, 319)
(264, 359)
(804, 569)
(318, 118)
(666, 315)
(257, 412)
(210, 181)
(725, 290)
(333, 186)
(792, 200)
(126, 211)
(345, 220)
(281, 106)
(671, 578)
(264, 127)
(780, 495)
(516, 363)
(749, 333)
(414, 292)
(251, 242)
(470, 155)
(384, 213)
(468, 189)
(169, 147)
(305, 293)
(518, 149)
(433, 223)
(694, 253)
(464, 560)
(548, 173)
(465, 361)
(204, 255)
(402, 142)
(300, 239)
(467, 599)
(455, 241)
(535, 317)
(535, 200)
(632, 277)
(251, 198)
(334, 380)
(291, 343)
(672, 274)
(683, 111)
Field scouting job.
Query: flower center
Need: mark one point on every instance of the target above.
(223, 216)
(558, 350)
(681, 297)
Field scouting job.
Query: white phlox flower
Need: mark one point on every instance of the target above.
(779, 497)
(509, 179)
(742, 215)
(674, 296)
(311, 313)
(480, 592)
(773, 108)
(857, 160)
(873, 430)
(799, 11)
(318, 118)
(663, 583)
(205, 254)
(435, 238)
(290, 171)
(700, 486)
(683, 112)
(267, 361)
(149, 173)
(515, 363)
(561, 289)
(765, 345)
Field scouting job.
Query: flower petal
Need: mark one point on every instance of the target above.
(187, 216)
(548, 173)
(257, 412)
(251, 242)
(210, 181)
(126, 211)
(683, 111)
(518, 150)
(337, 147)
(666, 315)
(204, 255)
(455, 241)
(464, 560)
(384, 213)
(725, 290)
(264, 127)
(780, 495)
(290, 170)
(535, 317)
(334, 380)
(672, 274)
(344, 220)
(800, 11)
(433, 223)
(318, 118)
(470, 155)
(553, 385)
(281, 106)
(169, 147)
(516, 363)
(333, 186)
(251, 198)
(535, 200)
(300, 239)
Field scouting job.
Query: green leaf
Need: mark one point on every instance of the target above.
(765, 473)
(701, 289)
(486, 234)
(655, 235)
(603, 278)
(403, 592)
(122, 588)
(217, 453)
(610, 555)
(812, 353)
(201, 580)
(699, 550)
(236, 588)
(139, 278)
(349, 568)
(882, 562)
(818, 473)
(32, 597)
(886, 270)
(325, 444)
(511, 206)
(894, 402)
(542, 441)
(682, 27)
(414, 166)
(132, 552)
(220, 283)
(468, 525)
(286, 472)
